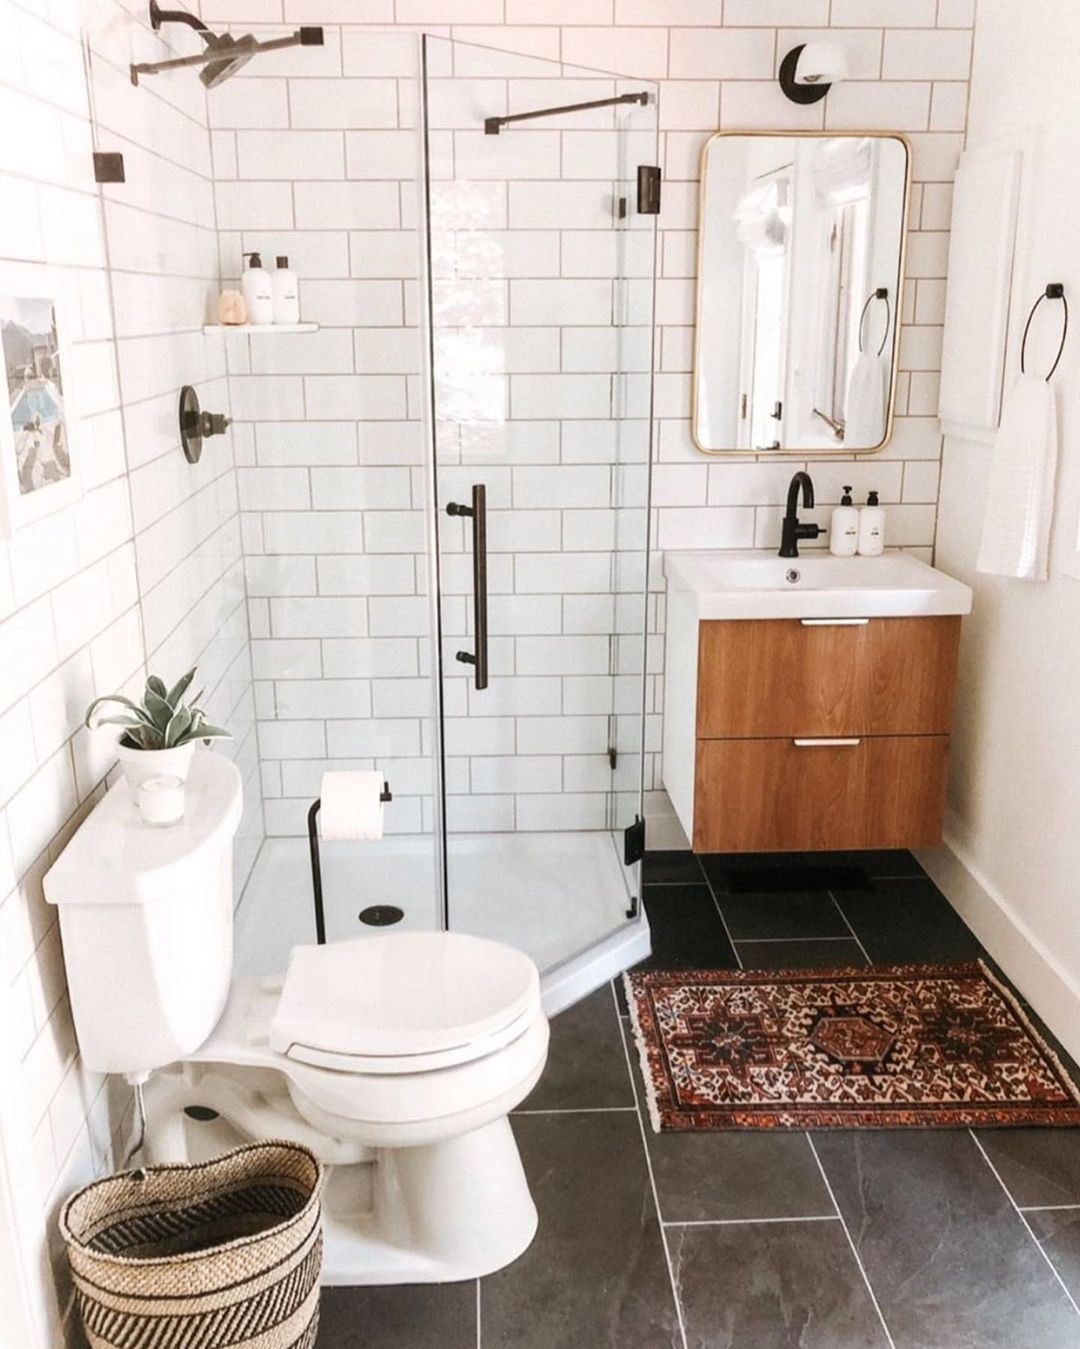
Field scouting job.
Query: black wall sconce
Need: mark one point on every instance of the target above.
(810, 70)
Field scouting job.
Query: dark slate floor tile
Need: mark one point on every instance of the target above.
(687, 931)
(948, 1258)
(424, 1316)
(586, 1067)
(671, 868)
(1058, 1231)
(773, 1286)
(888, 864)
(596, 1273)
(800, 955)
(908, 922)
(739, 873)
(1037, 1166)
(799, 914)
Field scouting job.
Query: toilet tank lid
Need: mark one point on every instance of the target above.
(113, 858)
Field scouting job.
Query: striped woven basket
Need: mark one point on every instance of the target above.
(222, 1253)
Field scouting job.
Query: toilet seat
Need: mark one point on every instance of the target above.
(403, 1003)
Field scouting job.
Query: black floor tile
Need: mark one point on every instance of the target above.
(908, 922)
(596, 1273)
(741, 873)
(687, 931)
(948, 1258)
(1058, 1231)
(586, 1067)
(888, 864)
(1037, 1166)
(671, 868)
(798, 914)
(773, 1286)
(424, 1316)
(800, 955)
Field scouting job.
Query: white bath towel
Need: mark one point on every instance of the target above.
(1020, 500)
(865, 409)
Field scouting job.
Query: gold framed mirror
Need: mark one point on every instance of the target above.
(800, 291)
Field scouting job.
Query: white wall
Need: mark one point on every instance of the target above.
(145, 568)
(1015, 793)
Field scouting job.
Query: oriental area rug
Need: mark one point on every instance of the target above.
(885, 1047)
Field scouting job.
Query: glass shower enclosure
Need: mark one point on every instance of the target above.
(445, 492)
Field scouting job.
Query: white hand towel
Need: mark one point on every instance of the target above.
(864, 426)
(1020, 501)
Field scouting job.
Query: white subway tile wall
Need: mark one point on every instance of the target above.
(146, 570)
(524, 256)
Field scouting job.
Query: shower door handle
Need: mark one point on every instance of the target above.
(477, 512)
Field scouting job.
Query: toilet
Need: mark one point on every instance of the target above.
(397, 1058)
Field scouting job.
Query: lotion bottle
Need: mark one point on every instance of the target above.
(258, 292)
(844, 528)
(286, 294)
(872, 528)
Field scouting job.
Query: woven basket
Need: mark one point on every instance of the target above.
(201, 1257)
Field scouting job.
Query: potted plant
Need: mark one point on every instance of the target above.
(160, 733)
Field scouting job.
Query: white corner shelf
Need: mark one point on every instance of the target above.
(260, 329)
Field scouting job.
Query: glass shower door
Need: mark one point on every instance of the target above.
(541, 222)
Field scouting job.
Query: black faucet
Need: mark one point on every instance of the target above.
(792, 531)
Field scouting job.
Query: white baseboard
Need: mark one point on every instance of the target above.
(1036, 972)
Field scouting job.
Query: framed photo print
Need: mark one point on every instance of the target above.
(38, 440)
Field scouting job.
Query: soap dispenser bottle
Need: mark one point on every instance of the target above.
(844, 528)
(258, 291)
(286, 294)
(871, 528)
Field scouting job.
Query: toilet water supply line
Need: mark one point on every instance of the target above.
(137, 1081)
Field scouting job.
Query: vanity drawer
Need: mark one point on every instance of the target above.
(779, 795)
(810, 677)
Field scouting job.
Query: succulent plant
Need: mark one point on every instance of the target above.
(161, 721)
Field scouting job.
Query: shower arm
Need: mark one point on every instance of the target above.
(303, 37)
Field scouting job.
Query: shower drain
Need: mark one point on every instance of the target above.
(381, 915)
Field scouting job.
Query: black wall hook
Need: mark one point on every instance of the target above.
(1054, 291)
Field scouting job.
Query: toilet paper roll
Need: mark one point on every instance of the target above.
(350, 805)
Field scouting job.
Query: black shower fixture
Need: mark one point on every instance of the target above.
(224, 54)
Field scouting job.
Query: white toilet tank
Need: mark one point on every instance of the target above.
(146, 916)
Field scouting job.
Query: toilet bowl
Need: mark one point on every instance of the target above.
(397, 1058)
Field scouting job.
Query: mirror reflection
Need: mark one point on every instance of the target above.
(798, 291)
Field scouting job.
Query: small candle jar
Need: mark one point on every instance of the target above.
(161, 800)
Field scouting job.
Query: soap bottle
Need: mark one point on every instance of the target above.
(872, 528)
(286, 294)
(844, 528)
(258, 291)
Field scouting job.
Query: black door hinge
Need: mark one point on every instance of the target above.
(108, 167)
(634, 841)
(613, 758)
(648, 189)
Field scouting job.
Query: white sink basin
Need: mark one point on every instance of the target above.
(759, 584)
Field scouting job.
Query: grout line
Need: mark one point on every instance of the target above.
(583, 1110)
(479, 1308)
(851, 1243)
(763, 941)
(1047, 1208)
(847, 924)
(652, 1179)
(742, 1222)
(1027, 1226)
(723, 920)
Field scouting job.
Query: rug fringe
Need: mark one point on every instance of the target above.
(643, 1055)
(1036, 1035)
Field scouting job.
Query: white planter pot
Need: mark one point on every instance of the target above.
(141, 764)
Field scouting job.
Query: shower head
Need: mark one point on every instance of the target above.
(224, 54)
(235, 53)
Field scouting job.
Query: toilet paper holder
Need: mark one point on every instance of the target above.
(316, 866)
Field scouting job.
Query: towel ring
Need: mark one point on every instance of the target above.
(1054, 291)
(880, 294)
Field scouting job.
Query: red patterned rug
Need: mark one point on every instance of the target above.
(916, 1046)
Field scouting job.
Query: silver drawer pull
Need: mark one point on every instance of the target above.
(834, 622)
(817, 744)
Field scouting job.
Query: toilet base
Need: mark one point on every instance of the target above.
(443, 1212)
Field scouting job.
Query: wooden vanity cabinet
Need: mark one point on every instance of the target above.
(817, 734)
